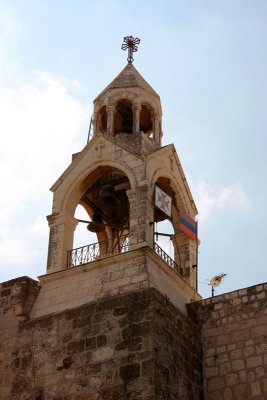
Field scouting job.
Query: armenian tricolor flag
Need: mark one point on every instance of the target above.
(188, 225)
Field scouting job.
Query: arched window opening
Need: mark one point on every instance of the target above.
(82, 236)
(164, 234)
(123, 119)
(146, 124)
(103, 217)
(165, 213)
(102, 120)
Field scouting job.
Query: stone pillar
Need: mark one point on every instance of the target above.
(94, 123)
(62, 227)
(110, 119)
(185, 256)
(141, 203)
(136, 117)
(132, 197)
(157, 130)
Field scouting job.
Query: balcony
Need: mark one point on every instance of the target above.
(100, 250)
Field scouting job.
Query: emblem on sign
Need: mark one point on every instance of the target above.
(163, 201)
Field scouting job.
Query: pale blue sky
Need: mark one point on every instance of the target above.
(206, 59)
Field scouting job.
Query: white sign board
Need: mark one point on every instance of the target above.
(163, 201)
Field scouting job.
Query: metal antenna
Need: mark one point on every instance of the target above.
(130, 43)
(216, 281)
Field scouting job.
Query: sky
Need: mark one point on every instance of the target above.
(206, 59)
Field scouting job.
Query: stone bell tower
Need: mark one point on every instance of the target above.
(117, 319)
(114, 178)
(110, 320)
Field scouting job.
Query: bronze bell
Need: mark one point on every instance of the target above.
(107, 203)
(96, 225)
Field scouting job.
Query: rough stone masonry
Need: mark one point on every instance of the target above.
(133, 346)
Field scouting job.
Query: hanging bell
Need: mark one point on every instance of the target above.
(96, 225)
(108, 203)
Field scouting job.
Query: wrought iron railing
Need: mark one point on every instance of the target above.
(167, 259)
(97, 251)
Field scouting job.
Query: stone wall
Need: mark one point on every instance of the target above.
(122, 273)
(86, 283)
(17, 297)
(233, 327)
(132, 346)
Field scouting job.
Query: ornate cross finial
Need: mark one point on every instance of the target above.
(130, 43)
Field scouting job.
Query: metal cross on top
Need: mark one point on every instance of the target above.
(130, 43)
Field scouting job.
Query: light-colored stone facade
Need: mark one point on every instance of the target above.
(116, 275)
(139, 159)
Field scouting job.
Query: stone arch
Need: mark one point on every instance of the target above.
(67, 197)
(184, 247)
(101, 120)
(75, 191)
(181, 201)
(146, 118)
(115, 97)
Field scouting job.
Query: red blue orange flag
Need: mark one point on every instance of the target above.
(188, 225)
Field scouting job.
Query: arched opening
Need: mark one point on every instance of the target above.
(164, 230)
(102, 120)
(103, 216)
(82, 235)
(165, 185)
(123, 118)
(164, 234)
(146, 124)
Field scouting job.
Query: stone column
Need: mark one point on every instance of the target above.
(132, 197)
(136, 117)
(94, 123)
(157, 130)
(110, 119)
(62, 227)
(185, 256)
(141, 215)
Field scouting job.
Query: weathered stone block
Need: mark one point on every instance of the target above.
(237, 365)
(90, 343)
(254, 361)
(241, 392)
(216, 384)
(101, 340)
(130, 371)
(76, 346)
(231, 379)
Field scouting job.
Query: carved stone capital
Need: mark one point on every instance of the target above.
(110, 107)
(136, 106)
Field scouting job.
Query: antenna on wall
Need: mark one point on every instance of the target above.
(216, 281)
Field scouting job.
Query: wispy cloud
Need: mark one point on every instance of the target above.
(41, 125)
(211, 199)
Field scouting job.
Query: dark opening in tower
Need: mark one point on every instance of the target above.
(107, 206)
(146, 124)
(102, 120)
(123, 119)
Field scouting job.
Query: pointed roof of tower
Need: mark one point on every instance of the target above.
(129, 77)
